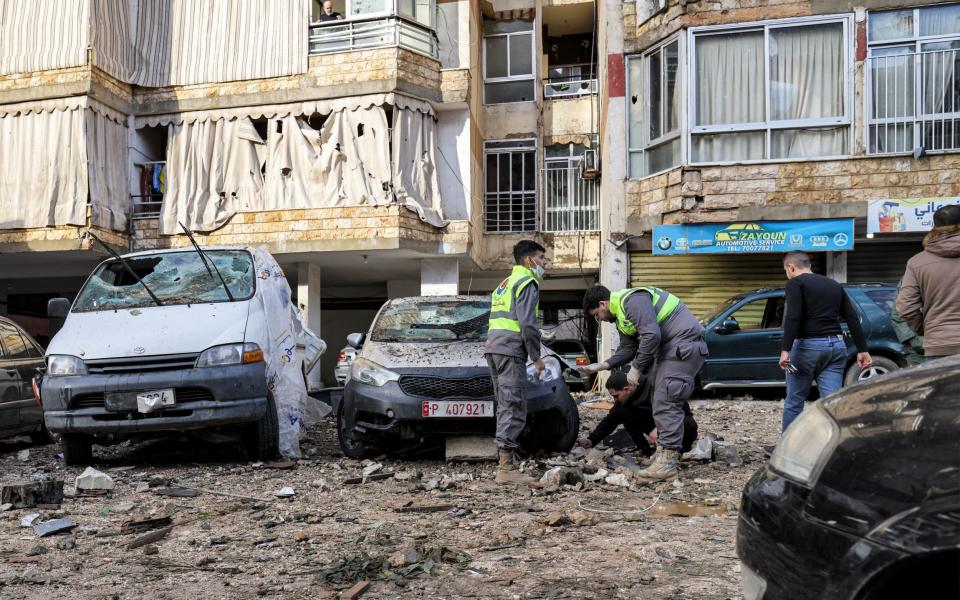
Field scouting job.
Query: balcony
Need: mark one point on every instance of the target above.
(570, 202)
(913, 101)
(570, 81)
(364, 34)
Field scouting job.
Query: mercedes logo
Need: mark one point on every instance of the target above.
(138, 350)
(840, 239)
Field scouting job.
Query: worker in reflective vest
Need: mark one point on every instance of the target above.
(514, 337)
(656, 330)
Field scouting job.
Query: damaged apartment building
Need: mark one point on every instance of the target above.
(738, 118)
(400, 150)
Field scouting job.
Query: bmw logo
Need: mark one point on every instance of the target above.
(664, 243)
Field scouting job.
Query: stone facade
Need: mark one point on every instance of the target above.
(567, 251)
(319, 229)
(66, 237)
(455, 85)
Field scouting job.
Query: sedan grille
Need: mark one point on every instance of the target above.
(440, 388)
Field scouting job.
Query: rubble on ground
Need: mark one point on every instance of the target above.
(188, 519)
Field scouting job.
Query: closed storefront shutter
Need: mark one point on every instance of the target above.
(882, 262)
(702, 282)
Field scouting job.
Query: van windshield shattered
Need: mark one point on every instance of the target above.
(175, 277)
(432, 322)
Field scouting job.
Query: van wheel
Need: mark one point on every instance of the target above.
(77, 449)
(568, 418)
(263, 440)
(553, 430)
(349, 444)
(881, 366)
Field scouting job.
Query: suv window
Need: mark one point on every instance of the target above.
(566, 347)
(13, 344)
(885, 299)
(765, 313)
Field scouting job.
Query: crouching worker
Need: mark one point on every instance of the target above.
(658, 334)
(632, 408)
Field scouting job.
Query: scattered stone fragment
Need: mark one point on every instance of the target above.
(67, 543)
(371, 469)
(23, 455)
(405, 557)
(584, 519)
(600, 475)
(618, 479)
(37, 550)
(406, 475)
(703, 449)
(5, 507)
(557, 518)
(28, 520)
(92, 479)
(285, 492)
(150, 550)
(559, 476)
(726, 452)
(176, 492)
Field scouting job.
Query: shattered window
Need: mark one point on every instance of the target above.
(432, 322)
(174, 277)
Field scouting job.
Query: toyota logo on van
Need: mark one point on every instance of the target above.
(139, 350)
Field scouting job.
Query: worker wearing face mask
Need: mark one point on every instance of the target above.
(656, 330)
(513, 338)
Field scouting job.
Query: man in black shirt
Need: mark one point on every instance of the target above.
(632, 409)
(813, 345)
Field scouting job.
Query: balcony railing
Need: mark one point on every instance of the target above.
(145, 207)
(914, 102)
(570, 202)
(342, 36)
(569, 88)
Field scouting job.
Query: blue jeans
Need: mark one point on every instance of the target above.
(816, 359)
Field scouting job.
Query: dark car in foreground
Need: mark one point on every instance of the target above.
(745, 335)
(861, 498)
(420, 376)
(21, 359)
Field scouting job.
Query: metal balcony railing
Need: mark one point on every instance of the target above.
(360, 34)
(570, 202)
(569, 88)
(145, 207)
(914, 102)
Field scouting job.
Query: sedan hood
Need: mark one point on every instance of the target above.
(398, 355)
(151, 331)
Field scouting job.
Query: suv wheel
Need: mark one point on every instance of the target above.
(349, 444)
(263, 439)
(881, 366)
(77, 449)
(554, 430)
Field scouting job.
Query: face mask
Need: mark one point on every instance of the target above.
(538, 271)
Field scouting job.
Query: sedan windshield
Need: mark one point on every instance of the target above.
(175, 278)
(432, 322)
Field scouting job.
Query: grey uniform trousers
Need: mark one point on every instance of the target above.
(509, 375)
(676, 370)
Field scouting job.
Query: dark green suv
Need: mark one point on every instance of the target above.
(745, 334)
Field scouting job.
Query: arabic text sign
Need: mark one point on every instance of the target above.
(754, 237)
(910, 214)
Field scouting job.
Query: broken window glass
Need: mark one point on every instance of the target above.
(175, 278)
(432, 322)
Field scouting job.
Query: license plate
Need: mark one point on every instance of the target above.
(457, 408)
(148, 402)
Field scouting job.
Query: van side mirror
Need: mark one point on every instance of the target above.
(728, 326)
(57, 311)
(355, 340)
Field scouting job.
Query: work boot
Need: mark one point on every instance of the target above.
(665, 464)
(507, 472)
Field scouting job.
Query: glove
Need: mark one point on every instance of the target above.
(594, 368)
(633, 377)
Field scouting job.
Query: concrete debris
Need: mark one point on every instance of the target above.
(371, 469)
(92, 479)
(23, 455)
(323, 485)
(6, 506)
(27, 494)
(558, 518)
(703, 449)
(28, 520)
(405, 558)
(150, 550)
(560, 476)
(471, 448)
(67, 543)
(176, 492)
(285, 492)
(726, 452)
(37, 549)
(618, 479)
(600, 475)
(410, 475)
(584, 519)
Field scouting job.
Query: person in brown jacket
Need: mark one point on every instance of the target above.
(929, 299)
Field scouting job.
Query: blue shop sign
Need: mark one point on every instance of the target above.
(752, 237)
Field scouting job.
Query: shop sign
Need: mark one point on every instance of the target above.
(754, 237)
(910, 214)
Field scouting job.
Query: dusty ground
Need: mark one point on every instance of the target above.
(494, 543)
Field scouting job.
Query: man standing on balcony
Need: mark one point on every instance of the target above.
(656, 330)
(514, 337)
(328, 13)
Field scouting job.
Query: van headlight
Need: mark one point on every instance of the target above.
(806, 445)
(551, 371)
(230, 354)
(64, 364)
(370, 373)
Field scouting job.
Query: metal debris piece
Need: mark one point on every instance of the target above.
(176, 492)
(135, 526)
(54, 527)
(153, 536)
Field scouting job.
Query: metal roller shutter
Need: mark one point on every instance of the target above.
(703, 282)
(880, 262)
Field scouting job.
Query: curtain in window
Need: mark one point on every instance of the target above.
(892, 86)
(806, 82)
(730, 89)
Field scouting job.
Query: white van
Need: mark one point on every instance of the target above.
(175, 340)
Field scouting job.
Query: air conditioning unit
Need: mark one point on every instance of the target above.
(591, 167)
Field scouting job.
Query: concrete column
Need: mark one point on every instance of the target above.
(439, 277)
(837, 266)
(308, 295)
